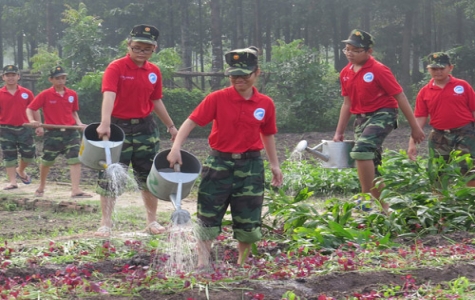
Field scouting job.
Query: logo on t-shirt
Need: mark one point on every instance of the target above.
(368, 77)
(71, 99)
(458, 89)
(259, 114)
(24, 95)
(152, 77)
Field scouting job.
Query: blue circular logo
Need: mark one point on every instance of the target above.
(459, 89)
(259, 114)
(152, 77)
(24, 95)
(368, 77)
(71, 99)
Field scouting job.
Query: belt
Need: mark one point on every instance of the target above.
(228, 155)
(377, 111)
(130, 121)
(453, 130)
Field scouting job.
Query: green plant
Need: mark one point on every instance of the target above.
(435, 199)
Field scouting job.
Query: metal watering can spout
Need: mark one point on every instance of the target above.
(302, 145)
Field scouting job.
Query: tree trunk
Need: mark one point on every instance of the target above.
(216, 43)
(240, 26)
(268, 21)
(185, 42)
(201, 43)
(406, 50)
(20, 50)
(257, 30)
(1, 35)
(49, 24)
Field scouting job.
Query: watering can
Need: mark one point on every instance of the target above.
(97, 153)
(169, 184)
(334, 155)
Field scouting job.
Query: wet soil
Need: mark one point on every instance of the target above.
(23, 214)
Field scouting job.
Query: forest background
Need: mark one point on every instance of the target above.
(300, 44)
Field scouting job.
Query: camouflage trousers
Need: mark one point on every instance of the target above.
(444, 142)
(236, 183)
(14, 140)
(370, 132)
(140, 145)
(58, 142)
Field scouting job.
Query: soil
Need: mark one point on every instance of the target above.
(32, 214)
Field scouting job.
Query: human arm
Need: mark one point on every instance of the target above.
(345, 116)
(162, 113)
(416, 131)
(174, 156)
(34, 117)
(77, 119)
(412, 150)
(269, 145)
(104, 128)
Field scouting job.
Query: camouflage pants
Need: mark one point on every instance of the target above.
(462, 139)
(14, 139)
(370, 132)
(140, 145)
(235, 183)
(58, 142)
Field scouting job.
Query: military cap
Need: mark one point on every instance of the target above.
(241, 61)
(438, 60)
(57, 71)
(10, 69)
(145, 34)
(360, 39)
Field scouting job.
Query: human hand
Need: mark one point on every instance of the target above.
(173, 132)
(174, 157)
(39, 131)
(277, 177)
(412, 151)
(103, 130)
(34, 124)
(338, 137)
(417, 135)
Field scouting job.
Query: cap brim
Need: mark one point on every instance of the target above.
(437, 65)
(353, 43)
(11, 72)
(143, 40)
(239, 71)
(60, 74)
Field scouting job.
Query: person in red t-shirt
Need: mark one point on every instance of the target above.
(450, 104)
(132, 90)
(244, 123)
(14, 137)
(60, 107)
(371, 92)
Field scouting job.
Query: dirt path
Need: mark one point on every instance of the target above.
(57, 192)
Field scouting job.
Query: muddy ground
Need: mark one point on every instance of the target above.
(32, 215)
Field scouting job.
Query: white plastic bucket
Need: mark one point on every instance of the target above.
(92, 151)
(162, 181)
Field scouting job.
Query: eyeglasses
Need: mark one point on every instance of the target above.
(139, 50)
(354, 52)
(241, 76)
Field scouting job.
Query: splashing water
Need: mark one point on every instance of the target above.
(180, 248)
(119, 179)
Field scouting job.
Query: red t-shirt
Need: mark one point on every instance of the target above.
(57, 109)
(449, 107)
(237, 123)
(136, 87)
(371, 88)
(13, 107)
